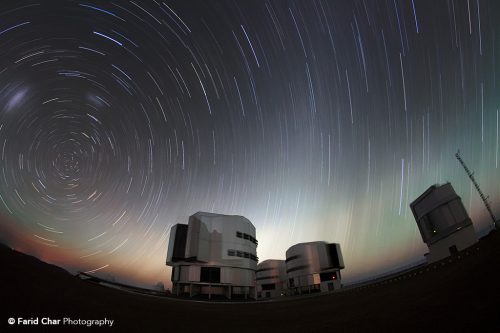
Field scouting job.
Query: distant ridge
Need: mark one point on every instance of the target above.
(28, 260)
(3, 246)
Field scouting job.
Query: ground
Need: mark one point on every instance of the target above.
(454, 295)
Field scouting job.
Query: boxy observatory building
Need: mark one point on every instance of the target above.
(314, 267)
(213, 254)
(443, 222)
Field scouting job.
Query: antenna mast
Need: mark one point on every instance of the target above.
(476, 185)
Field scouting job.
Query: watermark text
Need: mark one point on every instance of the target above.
(66, 321)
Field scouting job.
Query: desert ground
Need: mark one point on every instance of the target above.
(458, 294)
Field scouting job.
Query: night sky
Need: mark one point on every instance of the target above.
(316, 120)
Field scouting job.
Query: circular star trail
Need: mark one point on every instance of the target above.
(317, 120)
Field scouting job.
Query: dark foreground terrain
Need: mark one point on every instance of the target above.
(459, 294)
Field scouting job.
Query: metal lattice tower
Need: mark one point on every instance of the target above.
(476, 185)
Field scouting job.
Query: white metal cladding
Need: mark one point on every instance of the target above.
(271, 278)
(306, 258)
(222, 242)
(439, 212)
(271, 272)
(211, 236)
(307, 262)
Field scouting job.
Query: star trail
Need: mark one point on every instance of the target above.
(316, 120)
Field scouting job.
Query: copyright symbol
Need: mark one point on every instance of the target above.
(11, 321)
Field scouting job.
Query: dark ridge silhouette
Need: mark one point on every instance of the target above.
(457, 294)
(126, 287)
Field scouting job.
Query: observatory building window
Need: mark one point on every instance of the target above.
(298, 268)
(267, 277)
(241, 254)
(329, 276)
(263, 270)
(253, 240)
(240, 234)
(292, 258)
(269, 286)
(210, 274)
